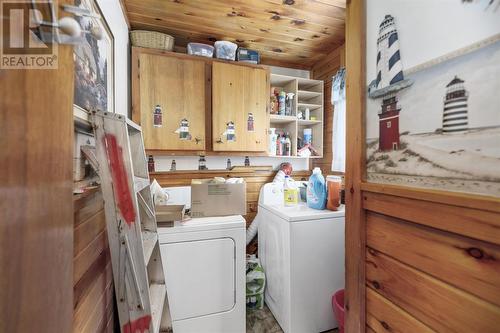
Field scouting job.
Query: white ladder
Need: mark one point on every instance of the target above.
(138, 274)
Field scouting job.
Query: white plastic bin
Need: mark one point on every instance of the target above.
(225, 50)
(200, 49)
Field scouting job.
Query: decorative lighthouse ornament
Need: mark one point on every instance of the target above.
(183, 130)
(230, 132)
(390, 80)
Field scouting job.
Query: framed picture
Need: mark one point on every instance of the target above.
(94, 63)
(432, 105)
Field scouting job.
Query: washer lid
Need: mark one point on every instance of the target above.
(205, 223)
(303, 213)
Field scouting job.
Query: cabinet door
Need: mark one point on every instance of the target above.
(239, 107)
(178, 87)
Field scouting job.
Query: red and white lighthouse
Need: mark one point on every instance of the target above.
(389, 124)
(389, 81)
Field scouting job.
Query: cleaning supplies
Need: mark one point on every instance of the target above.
(316, 190)
(272, 141)
(289, 107)
(287, 151)
(282, 103)
(307, 136)
(307, 114)
(290, 192)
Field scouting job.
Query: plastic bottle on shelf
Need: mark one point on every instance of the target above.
(307, 114)
(288, 145)
(279, 147)
(272, 141)
(282, 103)
(307, 136)
(290, 192)
(283, 144)
(289, 104)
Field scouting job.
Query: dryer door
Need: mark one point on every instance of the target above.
(200, 277)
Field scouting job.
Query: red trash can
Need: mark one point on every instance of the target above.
(338, 308)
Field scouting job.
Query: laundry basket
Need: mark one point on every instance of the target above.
(338, 308)
(152, 39)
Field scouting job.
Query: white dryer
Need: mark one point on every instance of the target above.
(302, 252)
(204, 264)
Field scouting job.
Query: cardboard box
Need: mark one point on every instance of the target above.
(213, 199)
(165, 214)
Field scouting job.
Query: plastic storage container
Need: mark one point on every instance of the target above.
(316, 190)
(338, 308)
(200, 49)
(333, 186)
(225, 50)
(246, 55)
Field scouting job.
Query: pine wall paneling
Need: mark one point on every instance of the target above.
(93, 288)
(254, 179)
(417, 260)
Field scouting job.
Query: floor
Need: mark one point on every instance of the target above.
(262, 321)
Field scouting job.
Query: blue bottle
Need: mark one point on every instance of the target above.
(316, 190)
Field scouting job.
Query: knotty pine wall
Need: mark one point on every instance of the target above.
(325, 70)
(93, 290)
(254, 179)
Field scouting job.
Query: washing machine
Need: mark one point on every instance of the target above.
(302, 253)
(204, 264)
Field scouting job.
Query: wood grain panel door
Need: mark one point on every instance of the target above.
(36, 204)
(239, 105)
(178, 87)
(417, 260)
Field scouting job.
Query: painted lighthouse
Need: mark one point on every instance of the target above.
(390, 79)
(455, 117)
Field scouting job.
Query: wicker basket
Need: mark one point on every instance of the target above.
(152, 39)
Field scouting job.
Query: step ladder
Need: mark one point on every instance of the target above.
(140, 289)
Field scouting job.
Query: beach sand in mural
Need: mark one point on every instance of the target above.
(467, 162)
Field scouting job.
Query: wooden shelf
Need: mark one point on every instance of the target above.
(309, 122)
(277, 119)
(308, 94)
(310, 106)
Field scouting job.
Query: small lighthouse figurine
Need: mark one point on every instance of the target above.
(228, 164)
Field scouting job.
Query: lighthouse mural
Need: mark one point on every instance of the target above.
(389, 81)
(455, 118)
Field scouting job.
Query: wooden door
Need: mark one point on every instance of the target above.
(239, 99)
(179, 87)
(417, 260)
(36, 203)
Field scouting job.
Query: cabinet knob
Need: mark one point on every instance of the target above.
(197, 140)
(219, 140)
(257, 141)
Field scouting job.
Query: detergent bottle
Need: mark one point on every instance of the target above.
(290, 192)
(316, 190)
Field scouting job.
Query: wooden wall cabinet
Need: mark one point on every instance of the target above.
(239, 104)
(179, 86)
(208, 94)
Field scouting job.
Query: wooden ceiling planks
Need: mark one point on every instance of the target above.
(291, 33)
